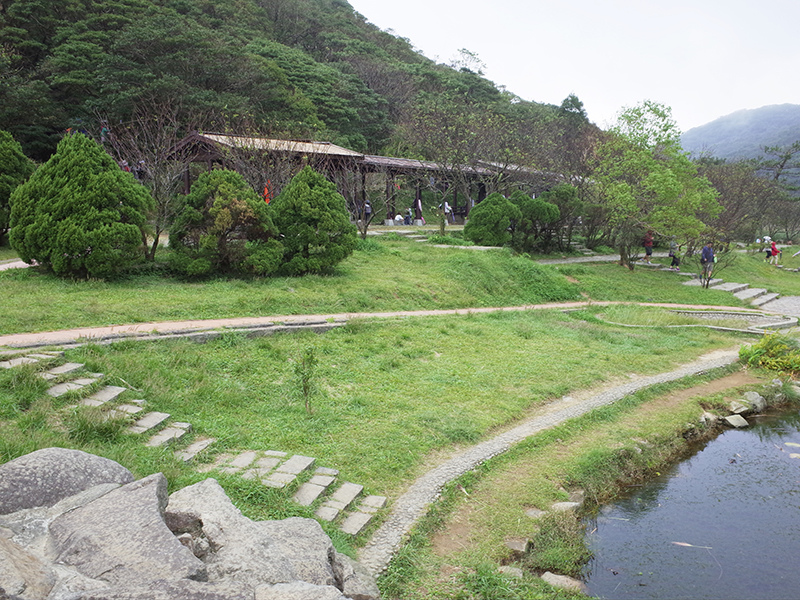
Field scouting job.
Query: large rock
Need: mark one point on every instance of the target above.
(298, 590)
(22, 572)
(236, 548)
(183, 589)
(121, 537)
(354, 579)
(45, 477)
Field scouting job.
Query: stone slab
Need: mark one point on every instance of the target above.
(84, 381)
(279, 480)
(308, 494)
(355, 523)
(347, 492)
(762, 300)
(326, 471)
(699, 282)
(296, 464)
(372, 503)
(322, 480)
(130, 409)
(89, 402)
(41, 356)
(737, 421)
(732, 287)
(63, 388)
(244, 460)
(327, 513)
(107, 393)
(65, 368)
(340, 506)
(148, 422)
(15, 362)
(750, 293)
(194, 449)
(268, 463)
(166, 436)
(277, 453)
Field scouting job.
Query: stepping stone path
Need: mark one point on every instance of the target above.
(277, 469)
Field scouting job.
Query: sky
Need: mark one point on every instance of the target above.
(703, 58)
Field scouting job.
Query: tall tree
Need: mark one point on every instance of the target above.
(648, 183)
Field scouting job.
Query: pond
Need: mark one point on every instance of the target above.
(724, 523)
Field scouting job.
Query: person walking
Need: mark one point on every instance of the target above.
(674, 251)
(775, 253)
(647, 242)
(707, 260)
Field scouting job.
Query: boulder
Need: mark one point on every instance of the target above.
(121, 537)
(298, 590)
(45, 477)
(755, 400)
(563, 582)
(265, 552)
(353, 579)
(183, 589)
(737, 421)
(22, 572)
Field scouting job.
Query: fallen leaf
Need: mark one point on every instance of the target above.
(691, 545)
(792, 444)
(794, 455)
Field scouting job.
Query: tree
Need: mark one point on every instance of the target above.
(79, 214)
(224, 227)
(536, 214)
(490, 221)
(15, 168)
(314, 224)
(647, 182)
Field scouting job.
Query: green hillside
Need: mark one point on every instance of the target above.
(291, 68)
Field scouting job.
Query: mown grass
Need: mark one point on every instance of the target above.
(7, 253)
(381, 276)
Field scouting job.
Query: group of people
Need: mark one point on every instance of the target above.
(773, 253)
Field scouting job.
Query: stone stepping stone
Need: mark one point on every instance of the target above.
(106, 394)
(243, 460)
(327, 512)
(762, 300)
(737, 421)
(732, 287)
(346, 493)
(126, 410)
(750, 293)
(84, 381)
(41, 356)
(170, 434)
(194, 449)
(148, 422)
(15, 362)
(313, 489)
(279, 480)
(61, 370)
(372, 504)
(296, 464)
(326, 471)
(356, 522)
(62, 388)
(699, 282)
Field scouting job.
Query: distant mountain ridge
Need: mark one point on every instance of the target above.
(743, 134)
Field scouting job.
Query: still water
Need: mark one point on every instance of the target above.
(724, 523)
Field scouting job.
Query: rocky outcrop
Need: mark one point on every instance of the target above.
(96, 534)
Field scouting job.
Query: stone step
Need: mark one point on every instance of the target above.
(193, 449)
(61, 370)
(699, 282)
(762, 300)
(732, 287)
(103, 395)
(15, 362)
(150, 421)
(169, 434)
(750, 293)
(313, 489)
(355, 522)
(62, 388)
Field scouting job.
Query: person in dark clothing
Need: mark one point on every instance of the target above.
(707, 260)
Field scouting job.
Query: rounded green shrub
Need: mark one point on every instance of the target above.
(314, 224)
(224, 227)
(79, 214)
(490, 220)
(15, 168)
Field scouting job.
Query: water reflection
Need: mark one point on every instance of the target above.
(725, 523)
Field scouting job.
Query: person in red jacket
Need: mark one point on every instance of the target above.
(775, 254)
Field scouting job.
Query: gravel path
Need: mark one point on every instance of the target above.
(414, 503)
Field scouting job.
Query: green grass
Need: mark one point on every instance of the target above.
(7, 253)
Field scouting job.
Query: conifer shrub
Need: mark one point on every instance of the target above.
(15, 168)
(224, 227)
(535, 215)
(314, 224)
(490, 220)
(79, 214)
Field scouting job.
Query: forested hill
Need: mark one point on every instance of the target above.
(744, 133)
(300, 68)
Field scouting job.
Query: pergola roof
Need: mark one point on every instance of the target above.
(272, 145)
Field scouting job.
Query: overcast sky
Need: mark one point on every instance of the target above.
(703, 58)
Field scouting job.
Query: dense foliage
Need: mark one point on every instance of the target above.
(314, 224)
(79, 214)
(15, 168)
(224, 227)
(490, 221)
(536, 215)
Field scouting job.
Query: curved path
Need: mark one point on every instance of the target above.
(153, 330)
(414, 503)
